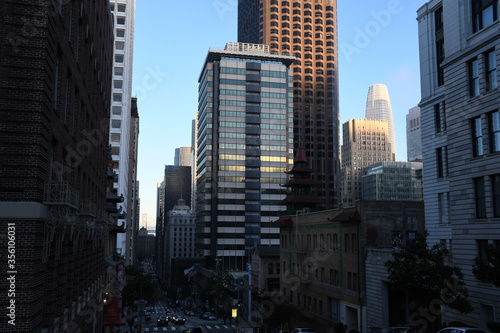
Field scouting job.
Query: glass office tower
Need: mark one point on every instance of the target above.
(307, 30)
(245, 136)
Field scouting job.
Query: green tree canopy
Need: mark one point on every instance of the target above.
(423, 273)
(140, 285)
(488, 269)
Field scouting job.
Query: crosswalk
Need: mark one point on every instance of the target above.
(173, 328)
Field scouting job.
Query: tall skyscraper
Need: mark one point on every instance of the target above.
(378, 107)
(460, 109)
(414, 135)
(182, 156)
(57, 234)
(307, 30)
(120, 113)
(244, 148)
(365, 142)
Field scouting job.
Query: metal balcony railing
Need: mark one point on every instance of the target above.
(61, 193)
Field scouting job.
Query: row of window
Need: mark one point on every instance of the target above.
(486, 132)
(321, 242)
(481, 185)
(488, 73)
(297, 4)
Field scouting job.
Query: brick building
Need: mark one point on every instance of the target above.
(55, 85)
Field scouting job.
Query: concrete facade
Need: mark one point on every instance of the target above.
(459, 45)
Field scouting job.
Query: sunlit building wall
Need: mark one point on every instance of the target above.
(120, 115)
(245, 137)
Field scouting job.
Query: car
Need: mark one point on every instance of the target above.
(162, 321)
(179, 320)
(147, 315)
(208, 316)
(168, 310)
(304, 330)
(189, 313)
(170, 316)
(462, 330)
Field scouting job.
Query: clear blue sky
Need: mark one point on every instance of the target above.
(378, 43)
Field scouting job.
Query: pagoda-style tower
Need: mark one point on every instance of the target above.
(301, 195)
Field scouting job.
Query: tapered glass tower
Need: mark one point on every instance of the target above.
(308, 31)
(378, 107)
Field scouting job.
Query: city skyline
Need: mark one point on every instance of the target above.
(167, 99)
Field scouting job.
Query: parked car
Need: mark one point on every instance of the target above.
(179, 320)
(208, 316)
(162, 321)
(170, 316)
(462, 330)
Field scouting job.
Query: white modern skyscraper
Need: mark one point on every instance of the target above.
(378, 107)
(120, 116)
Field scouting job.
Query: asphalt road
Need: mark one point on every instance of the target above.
(191, 321)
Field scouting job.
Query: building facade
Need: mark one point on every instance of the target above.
(460, 112)
(365, 142)
(378, 107)
(244, 147)
(414, 135)
(134, 207)
(120, 117)
(177, 185)
(307, 30)
(182, 156)
(56, 232)
(179, 240)
(393, 181)
(332, 265)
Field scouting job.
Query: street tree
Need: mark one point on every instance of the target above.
(140, 285)
(422, 274)
(488, 269)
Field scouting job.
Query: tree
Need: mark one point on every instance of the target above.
(488, 269)
(140, 285)
(421, 272)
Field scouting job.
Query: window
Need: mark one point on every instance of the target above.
(491, 70)
(495, 131)
(477, 136)
(120, 20)
(118, 71)
(437, 118)
(484, 12)
(120, 33)
(121, 8)
(474, 78)
(441, 162)
(438, 22)
(270, 269)
(480, 196)
(119, 58)
(495, 185)
(443, 207)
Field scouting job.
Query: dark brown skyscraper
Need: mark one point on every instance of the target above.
(306, 29)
